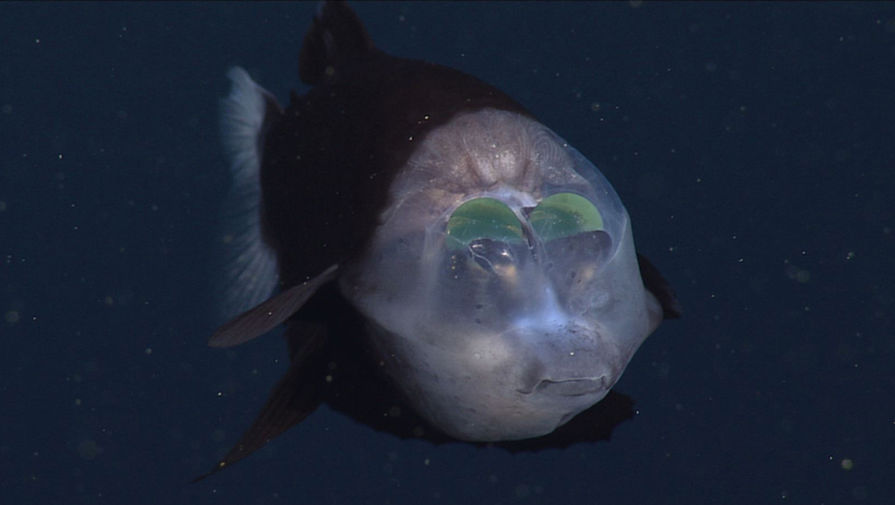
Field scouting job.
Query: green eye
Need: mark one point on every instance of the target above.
(564, 214)
(482, 218)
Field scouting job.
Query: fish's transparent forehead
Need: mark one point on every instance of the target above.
(493, 154)
(494, 213)
(559, 179)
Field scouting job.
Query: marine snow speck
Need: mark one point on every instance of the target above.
(446, 267)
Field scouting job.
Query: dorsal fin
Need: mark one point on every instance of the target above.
(336, 37)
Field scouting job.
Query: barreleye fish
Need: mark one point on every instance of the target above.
(446, 267)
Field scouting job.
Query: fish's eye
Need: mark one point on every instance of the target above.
(482, 218)
(563, 215)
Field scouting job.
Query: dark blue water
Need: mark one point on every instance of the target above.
(752, 144)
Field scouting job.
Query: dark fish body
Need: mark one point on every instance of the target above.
(447, 267)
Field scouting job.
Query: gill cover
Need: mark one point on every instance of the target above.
(502, 281)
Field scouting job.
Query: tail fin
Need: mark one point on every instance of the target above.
(250, 264)
(336, 37)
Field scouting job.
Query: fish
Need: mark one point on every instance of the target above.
(446, 267)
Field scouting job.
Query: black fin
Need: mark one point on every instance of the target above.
(336, 37)
(659, 287)
(297, 394)
(269, 314)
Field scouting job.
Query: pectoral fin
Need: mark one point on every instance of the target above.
(269, 314)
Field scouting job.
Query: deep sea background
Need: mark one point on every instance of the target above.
(753, 146)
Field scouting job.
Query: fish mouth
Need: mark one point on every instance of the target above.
(572, 387)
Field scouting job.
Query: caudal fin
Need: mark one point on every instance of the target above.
(336, 38)
(249, 264)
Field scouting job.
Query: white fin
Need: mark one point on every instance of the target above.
(250, 265)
